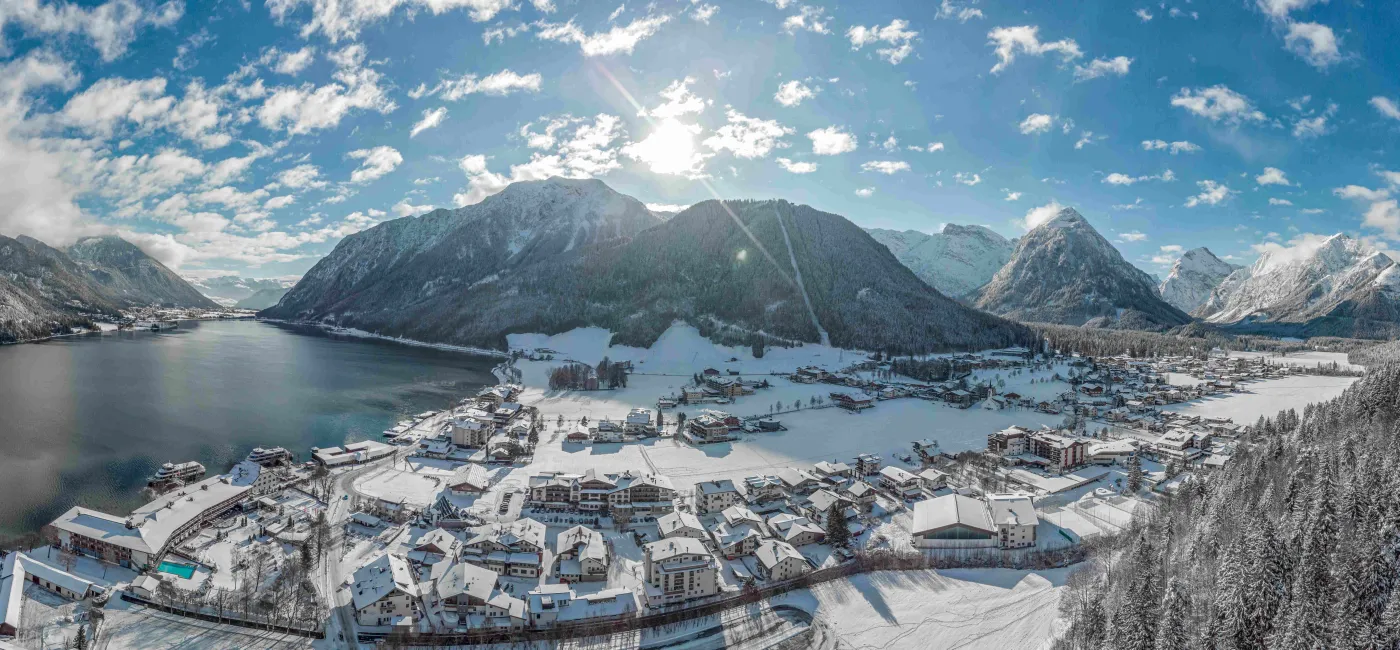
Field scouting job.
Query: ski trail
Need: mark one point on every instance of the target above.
(797, 273)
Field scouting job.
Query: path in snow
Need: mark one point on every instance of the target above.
(797, 273)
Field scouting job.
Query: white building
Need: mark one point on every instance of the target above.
(384, 592)
(779, 561)
(714, 496)
(795, 530)
(1015, 520)
(957, 521)
(681, 524)
(581, 554)
(513, 549)
(679, 569)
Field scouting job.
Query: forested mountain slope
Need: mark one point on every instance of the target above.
(131, 278)
(43, 292)
(956, 261)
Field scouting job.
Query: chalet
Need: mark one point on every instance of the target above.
(469, 479)
(779, 561)
(926, 450)
(867, 464)
(958, 398)
(681, 524)
(832, 470)
(579, 434)
(859, 493)
(1178, 444)
(738, 538)
(435, 545)
(851, 402)
(729, 419)
(706, 428)
(581, 555)
(810, 375)
(933, 479)
(820, 503)
(384, 592)
(513, 549)
(606, 431)
(641, 495)
(795, 530)
(763, 488)
(901, 482)
(640, 423)
(472, 595)
(714, 496)
(678, 569)
(797, 481)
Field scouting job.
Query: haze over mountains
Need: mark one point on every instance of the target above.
(956, 261)
(240, 292)
(548, 256)
(44, 290)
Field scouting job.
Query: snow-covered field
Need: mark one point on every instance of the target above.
(963, 608)
(1308, 359)
(131, 627)
(1267, 398)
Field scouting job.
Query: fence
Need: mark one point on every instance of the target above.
(882, 561)
(316, 632)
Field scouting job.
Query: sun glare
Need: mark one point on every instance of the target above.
(670, 149)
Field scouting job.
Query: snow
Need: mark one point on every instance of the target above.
(1308, 359)
(964, 608)
(132, 627)
(1266, 398)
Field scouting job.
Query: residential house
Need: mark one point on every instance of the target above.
(797, 481)
(779, 561)
(714, 496)
(435, 545)
(581, 554)
(706, 428)
(795, 530)
(678, 569)
(550, 605)
(469, 479)
(933, 479)
(513, 549)
(833, 471)
(901, 482)
(640, 423)
(384, 592)
(851, 402)
(681, 524)
(867, 464)
(1010, 441)
(1063, 451)
(1014, 518)
(860, 493)
(817, 506)
(763, 488)
(471, 595)
(640, 495)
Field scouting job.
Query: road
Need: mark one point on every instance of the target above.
(342, 618)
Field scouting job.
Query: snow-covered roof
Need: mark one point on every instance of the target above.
(154, 522)
(770, 553)
(471, 477)
(1011, 510)
(440, 539)
(896, 474)
(383, 576)
(677, 520)
(462, 578)
(589, 543)
(951, 510)
(716, 487)
(674, 547)
(11, 593)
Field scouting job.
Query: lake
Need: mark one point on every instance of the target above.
(85, 420)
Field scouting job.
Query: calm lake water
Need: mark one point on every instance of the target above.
(85, 420)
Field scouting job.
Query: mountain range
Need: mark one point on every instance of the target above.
(1193, 277)
(956, 261)
(45, 290)
(1063, 271)
(241, 292)
(548, 256)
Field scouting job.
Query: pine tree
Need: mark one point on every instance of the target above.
(1267, 583)
(1172, 633)
(1134, 473)
(80, 642)
(1307, 624)
(1229, 623)
(837, 534)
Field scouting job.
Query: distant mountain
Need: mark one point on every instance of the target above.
(1337, 287)
(130, 277)
(956, 261)
(1193, 277)
(263, 298)
(228, 290)
(549, 256)
(1064, 271)
(44, 292)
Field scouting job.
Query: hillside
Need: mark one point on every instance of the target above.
(549, 256)
(227, 290)
(1063, 271)
(956, 261)
(1193, 277)
(43, 292)
(131, 278)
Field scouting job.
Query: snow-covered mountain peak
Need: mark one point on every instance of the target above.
(955, 261)
(1193, 277)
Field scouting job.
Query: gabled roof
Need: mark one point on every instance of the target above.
(951, 510)
(384, 576)
(677, 520)
(590, 541)
(475, 582)
(770, 553)
(440, 539)
(675, 546)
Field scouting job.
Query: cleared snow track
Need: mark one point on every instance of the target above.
(802, 288)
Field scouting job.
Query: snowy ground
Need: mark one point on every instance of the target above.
(1266, 398)
(965, 608)
(132, 627)
(1304, 359)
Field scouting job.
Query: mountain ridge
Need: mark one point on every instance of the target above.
(956, 261)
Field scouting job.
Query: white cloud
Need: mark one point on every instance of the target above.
(499, 84)
(306, 108)
(1385, 216)
(1143, 14)
(618, 40)
(807, 19)
(791, 93)
(1315, 126)
(1180, 146)
(1117, 65)
(111, 27)
(110, 102)
(431, 119)
(1386, 107)
(667, 207)
(949, 9)
(865, 192)
(1037, 123)
(500, 33)
(1281, 8)
(896, 34)
(292, 63)
(1086, 138)
(376, 163)
(343, 19)
(703, 13)
(1011, 196)
(1274, 201)
(885, 166)
(1132, 236)
(278, 202)
(831, 141)
(1039, 215)
(301, 176)
(405, 209)
(1124, 179)
(588, 152)
(1212, 193)
(679, 101)
(1361, 193)
(1218, 104)
(797, 167)
(747, 137)
(670, 149)
(967, 179)
(1314, 42)
(1025, 39)
(1272, 176)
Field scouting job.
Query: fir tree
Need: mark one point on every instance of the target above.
(1172, 631)
(1307, 624)
(1134, 473)
(1229, 623)
(837, 534)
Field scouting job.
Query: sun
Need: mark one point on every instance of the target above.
(670, 149)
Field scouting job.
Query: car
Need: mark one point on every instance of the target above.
(344, 497)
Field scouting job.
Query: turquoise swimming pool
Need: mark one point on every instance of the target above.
(183, 570)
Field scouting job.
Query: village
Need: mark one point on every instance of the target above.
(572, 495)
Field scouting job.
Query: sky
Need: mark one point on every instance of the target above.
(250, 137)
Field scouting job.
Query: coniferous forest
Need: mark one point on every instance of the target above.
(1294, 545)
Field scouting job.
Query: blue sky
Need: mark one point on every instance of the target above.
(250, 137)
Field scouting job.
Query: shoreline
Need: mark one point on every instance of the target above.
(361, 334)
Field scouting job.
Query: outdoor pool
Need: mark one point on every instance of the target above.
(183, 570)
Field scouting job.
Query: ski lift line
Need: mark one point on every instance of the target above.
(797, 273)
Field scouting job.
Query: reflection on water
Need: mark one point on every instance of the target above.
(84, 420)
